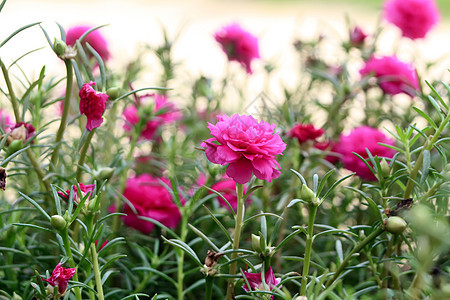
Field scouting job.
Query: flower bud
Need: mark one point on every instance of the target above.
(58, 222)
(256, 243)
(307, 194)
(395, 225)
(19, 133)
(16, 297)
(13, 147)
(92, 205)
(104, 173)
(59, 47)
(113, 93)
(385, 169)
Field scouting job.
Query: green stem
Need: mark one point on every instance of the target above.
(309, 240)
(38, 170)
(209, 280)
(97, 274)
(63, 123)
(12, 95)
(237, 236)
(358, 248)
(180, 256)
(83, 154)
(66, 242)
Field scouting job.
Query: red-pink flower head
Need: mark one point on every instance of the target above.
(246, 146)
(394, 76)
(151, 199)
(329, 146)
(227, 187)
(21, 131)
(92, 104)
(60, 278)
(84, 189)
(415, 18)
(357, 36)
(164, 112)
(256, 283)
(360, 139)
(239, 45)
(305, 132)
(94, 38)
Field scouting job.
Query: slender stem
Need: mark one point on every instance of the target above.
(237, 236)
(12, 95)
(97, 274)
(180, 258)
(358, 248)
(209, 280)
(38, 170)
(83, 154)
(309, 240)
(66, 242)
(63, 123)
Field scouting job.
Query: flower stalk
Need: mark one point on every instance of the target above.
(66, 242)
(83, 154)
(309, 241)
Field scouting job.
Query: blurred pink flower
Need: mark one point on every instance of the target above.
(329, 146)
(150, 199)
(164, 112)
(227, 187)
(415, 18)
(357, 36)
(60, 278)
(102, 245)
(256, 283)
(95, 39)
(239, 45)
(85, 190)
(5, 120)
(21, 131)
(394, 76)
(360, 139)
(305, 132)
(246, 146)
(92, 104)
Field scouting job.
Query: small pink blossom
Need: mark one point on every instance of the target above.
(238, 44)
(256, 283)
(394, 76)
(21, 131)
(246, 146)
(164, 112)
(92, 104)
(358, 141)
(150, 199)
(5, 120)
(357, 36)
(95, 39)
(415, 18)
(60, 278)
(227, 187)
(305, 132)
(85, 190)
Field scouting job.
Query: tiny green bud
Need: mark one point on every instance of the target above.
(385, 169)
(59, 47)
(113, 93)
(395, 225)
(14, 146)
(104, 173)
(307, 194)
(58, 222)
(256, 243)
(16, 297)
(92, 204)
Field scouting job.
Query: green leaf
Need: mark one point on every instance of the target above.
(185, 247)
(2, 4)
(204, 238)
(426, 117)
(62, 32)
(324, 180)
(101, 66)
(159, 224)
(17, 31)
(35, 204)
(159, 273)
(219, 224)
(339, 251)
(372, 204)
(142, 89)
(262, 214)
(335, 184)
(222, 197)
(47, 37)
(32, 226)
(333, 231)
(425, 165)
(22, 56)
(299, 176)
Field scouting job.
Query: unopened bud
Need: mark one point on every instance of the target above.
(113, 93)
(307, 194)
(14, 146)
(256, 243)
(395, 225)
(59, 47)
(92, 205)
(58, 222)
(19, 133)
(104, 173)
(385, 169)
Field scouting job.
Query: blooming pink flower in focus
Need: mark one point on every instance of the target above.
(5, 120)
(227, 187)
(357, 36)
(358, 141)
(92, 104)
(95, 39)
(415, 18)
(164, 112)
(248, 147)
(85, 190)
(256, 283)
(60, 278)
(239, 45)
(394, 76)
(305, 132)
(150, 199)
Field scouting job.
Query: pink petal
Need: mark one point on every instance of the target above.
(240, 171)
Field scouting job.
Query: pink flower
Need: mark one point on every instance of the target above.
(227, 187)
(21, 131)
(92, 104)
(394, 76)
(305, 132)
(357, 36)
(256, 283)
(5, 120)
(102, 245)
(358, 141)
(60, 278)
(150, 199)
(95, 39)
(85, 190)
(164, 112)
(415, 18)
(238, 44)
(246, 146)
(329, 146)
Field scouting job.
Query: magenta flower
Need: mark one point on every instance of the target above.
(92, 104)
(84, 189)
(60, 278)
(150, 199)
(246, 146)
(239, 45)
(394, 76)
(415, 18)
(102, 245)
(357, 36)
(358, 141)
(329, 146)
(5, 120)
(227, 187)
(95, 39)
(305, 132)
(21, 131)
(256, 283)
(165, 112)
